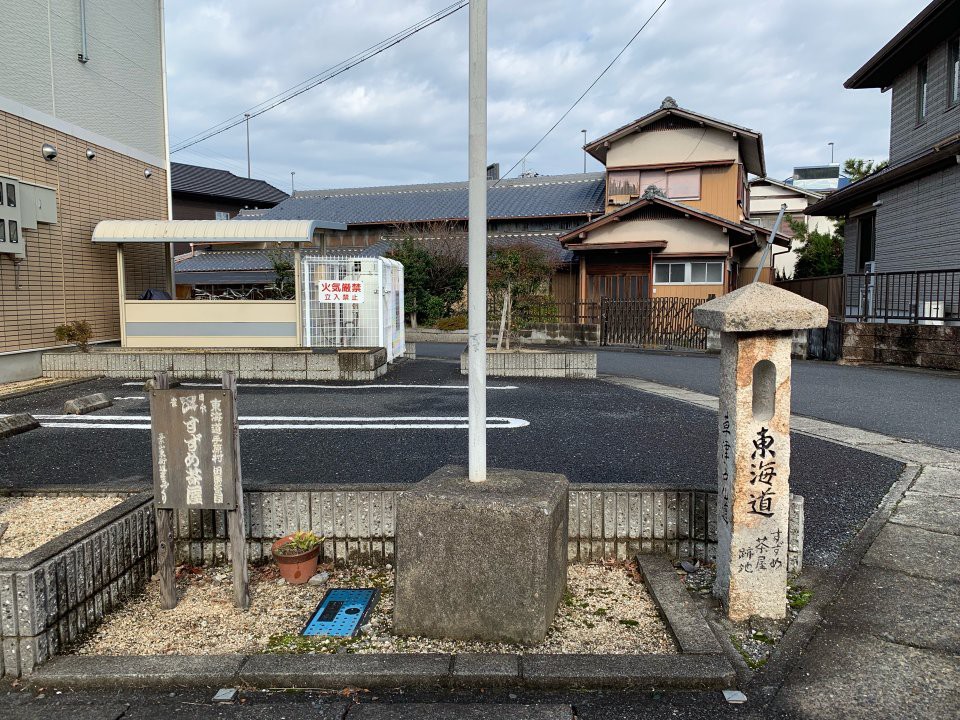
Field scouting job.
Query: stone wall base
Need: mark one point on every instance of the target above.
(349, 364)
(936, 347)
(537, 363)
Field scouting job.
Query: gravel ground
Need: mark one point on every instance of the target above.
(32, 521)
(606, 610)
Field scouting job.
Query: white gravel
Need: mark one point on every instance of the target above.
(606, 610)
(33, 520)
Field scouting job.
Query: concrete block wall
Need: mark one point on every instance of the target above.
(544, 364)
(253, 364)
(53, 595)
(358, 523)
(927, 346)
(558, 334)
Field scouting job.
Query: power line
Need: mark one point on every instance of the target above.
(583, 95)
(322, 77)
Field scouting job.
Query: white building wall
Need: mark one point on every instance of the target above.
(655, 147)
(117, 94)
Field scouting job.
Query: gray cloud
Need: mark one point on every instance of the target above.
(776, 66)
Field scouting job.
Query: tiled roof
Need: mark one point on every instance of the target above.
(221, 183)
(545, 196)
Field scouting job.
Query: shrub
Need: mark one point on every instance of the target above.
(454, 322)
(77, 332)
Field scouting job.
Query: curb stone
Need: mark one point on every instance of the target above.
(16, 424)
(335, 672)
(688, 626)
(86, 404)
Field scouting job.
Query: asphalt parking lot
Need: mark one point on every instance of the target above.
(405, 426)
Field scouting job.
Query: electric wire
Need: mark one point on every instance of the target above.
(582, 95)
(321, 77)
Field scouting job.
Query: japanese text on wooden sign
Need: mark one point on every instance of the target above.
(193, 449)
(341, 291)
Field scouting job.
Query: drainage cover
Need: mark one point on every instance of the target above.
(342, 612)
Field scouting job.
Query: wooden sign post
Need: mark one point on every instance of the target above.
(196, 466)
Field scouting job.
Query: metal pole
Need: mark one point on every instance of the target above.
(584, 150)
(831, 152)
(292, 191)
(766, 248)
(82, 56)
(477, 241)
(247, 121)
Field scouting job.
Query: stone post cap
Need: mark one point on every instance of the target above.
(760, 307)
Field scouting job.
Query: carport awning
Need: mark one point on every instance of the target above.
(211, 231)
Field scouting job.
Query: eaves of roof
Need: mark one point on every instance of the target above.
(212, 182)
(598, 148)
(940, 155)
(746, 229)
(936, 22)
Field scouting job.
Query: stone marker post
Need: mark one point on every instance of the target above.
(756, 325)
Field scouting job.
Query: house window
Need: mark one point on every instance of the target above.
(688, 273)
(670, 273)
(866, 239)
(922, 91)
(675, 184)
(953, 72)
(11, 195)
(222, 215)
(14, 232)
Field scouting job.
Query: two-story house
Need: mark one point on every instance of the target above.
(907, 216)
(676, 209)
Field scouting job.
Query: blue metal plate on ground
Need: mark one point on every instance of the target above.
(342, 612)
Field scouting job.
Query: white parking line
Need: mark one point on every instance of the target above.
(339, 387)
(132, 397)
(272, 422)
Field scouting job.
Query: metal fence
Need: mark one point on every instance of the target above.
(653, 322)
(927, 297)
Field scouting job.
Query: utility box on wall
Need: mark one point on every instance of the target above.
(11, 225)
(22, 206)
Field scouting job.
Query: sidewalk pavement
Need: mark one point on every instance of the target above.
(889, 645)
(888, 641)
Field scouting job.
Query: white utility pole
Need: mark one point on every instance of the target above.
(477, 241)
(246, 117)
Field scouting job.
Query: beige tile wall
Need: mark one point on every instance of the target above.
(65, 277)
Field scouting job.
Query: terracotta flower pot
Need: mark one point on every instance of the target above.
(296, 569)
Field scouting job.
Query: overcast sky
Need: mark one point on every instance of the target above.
(776, 66)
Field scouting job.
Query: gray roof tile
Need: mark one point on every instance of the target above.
(221, 183)
(545, 196)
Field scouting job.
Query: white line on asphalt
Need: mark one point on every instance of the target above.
(382, 386)
(273, 422)
(132, 397)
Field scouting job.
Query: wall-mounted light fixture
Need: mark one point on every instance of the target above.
(147, 173)
(91, 154)
(48, 151)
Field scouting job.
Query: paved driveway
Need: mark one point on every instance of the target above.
(406, 426)
(914, 404)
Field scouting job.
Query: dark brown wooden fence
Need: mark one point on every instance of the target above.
(826, 290)
(654, 322)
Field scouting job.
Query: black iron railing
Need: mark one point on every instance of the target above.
(924, 297)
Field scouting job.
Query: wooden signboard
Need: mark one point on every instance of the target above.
(193, 449)
(196, 466)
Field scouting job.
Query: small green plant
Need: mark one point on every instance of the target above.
(300, 542)
(629, 623)
(798, 597)
(77, 332)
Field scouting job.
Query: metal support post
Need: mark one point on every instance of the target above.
(477, 233)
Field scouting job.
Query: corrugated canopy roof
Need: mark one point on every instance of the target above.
(209, 231)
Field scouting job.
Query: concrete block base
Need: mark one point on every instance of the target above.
(481, 561)
(537, 363)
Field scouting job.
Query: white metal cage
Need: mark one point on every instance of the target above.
(353, 302)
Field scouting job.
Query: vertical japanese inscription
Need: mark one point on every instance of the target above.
(193, 455)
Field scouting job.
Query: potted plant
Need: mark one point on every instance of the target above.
(296, 555)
